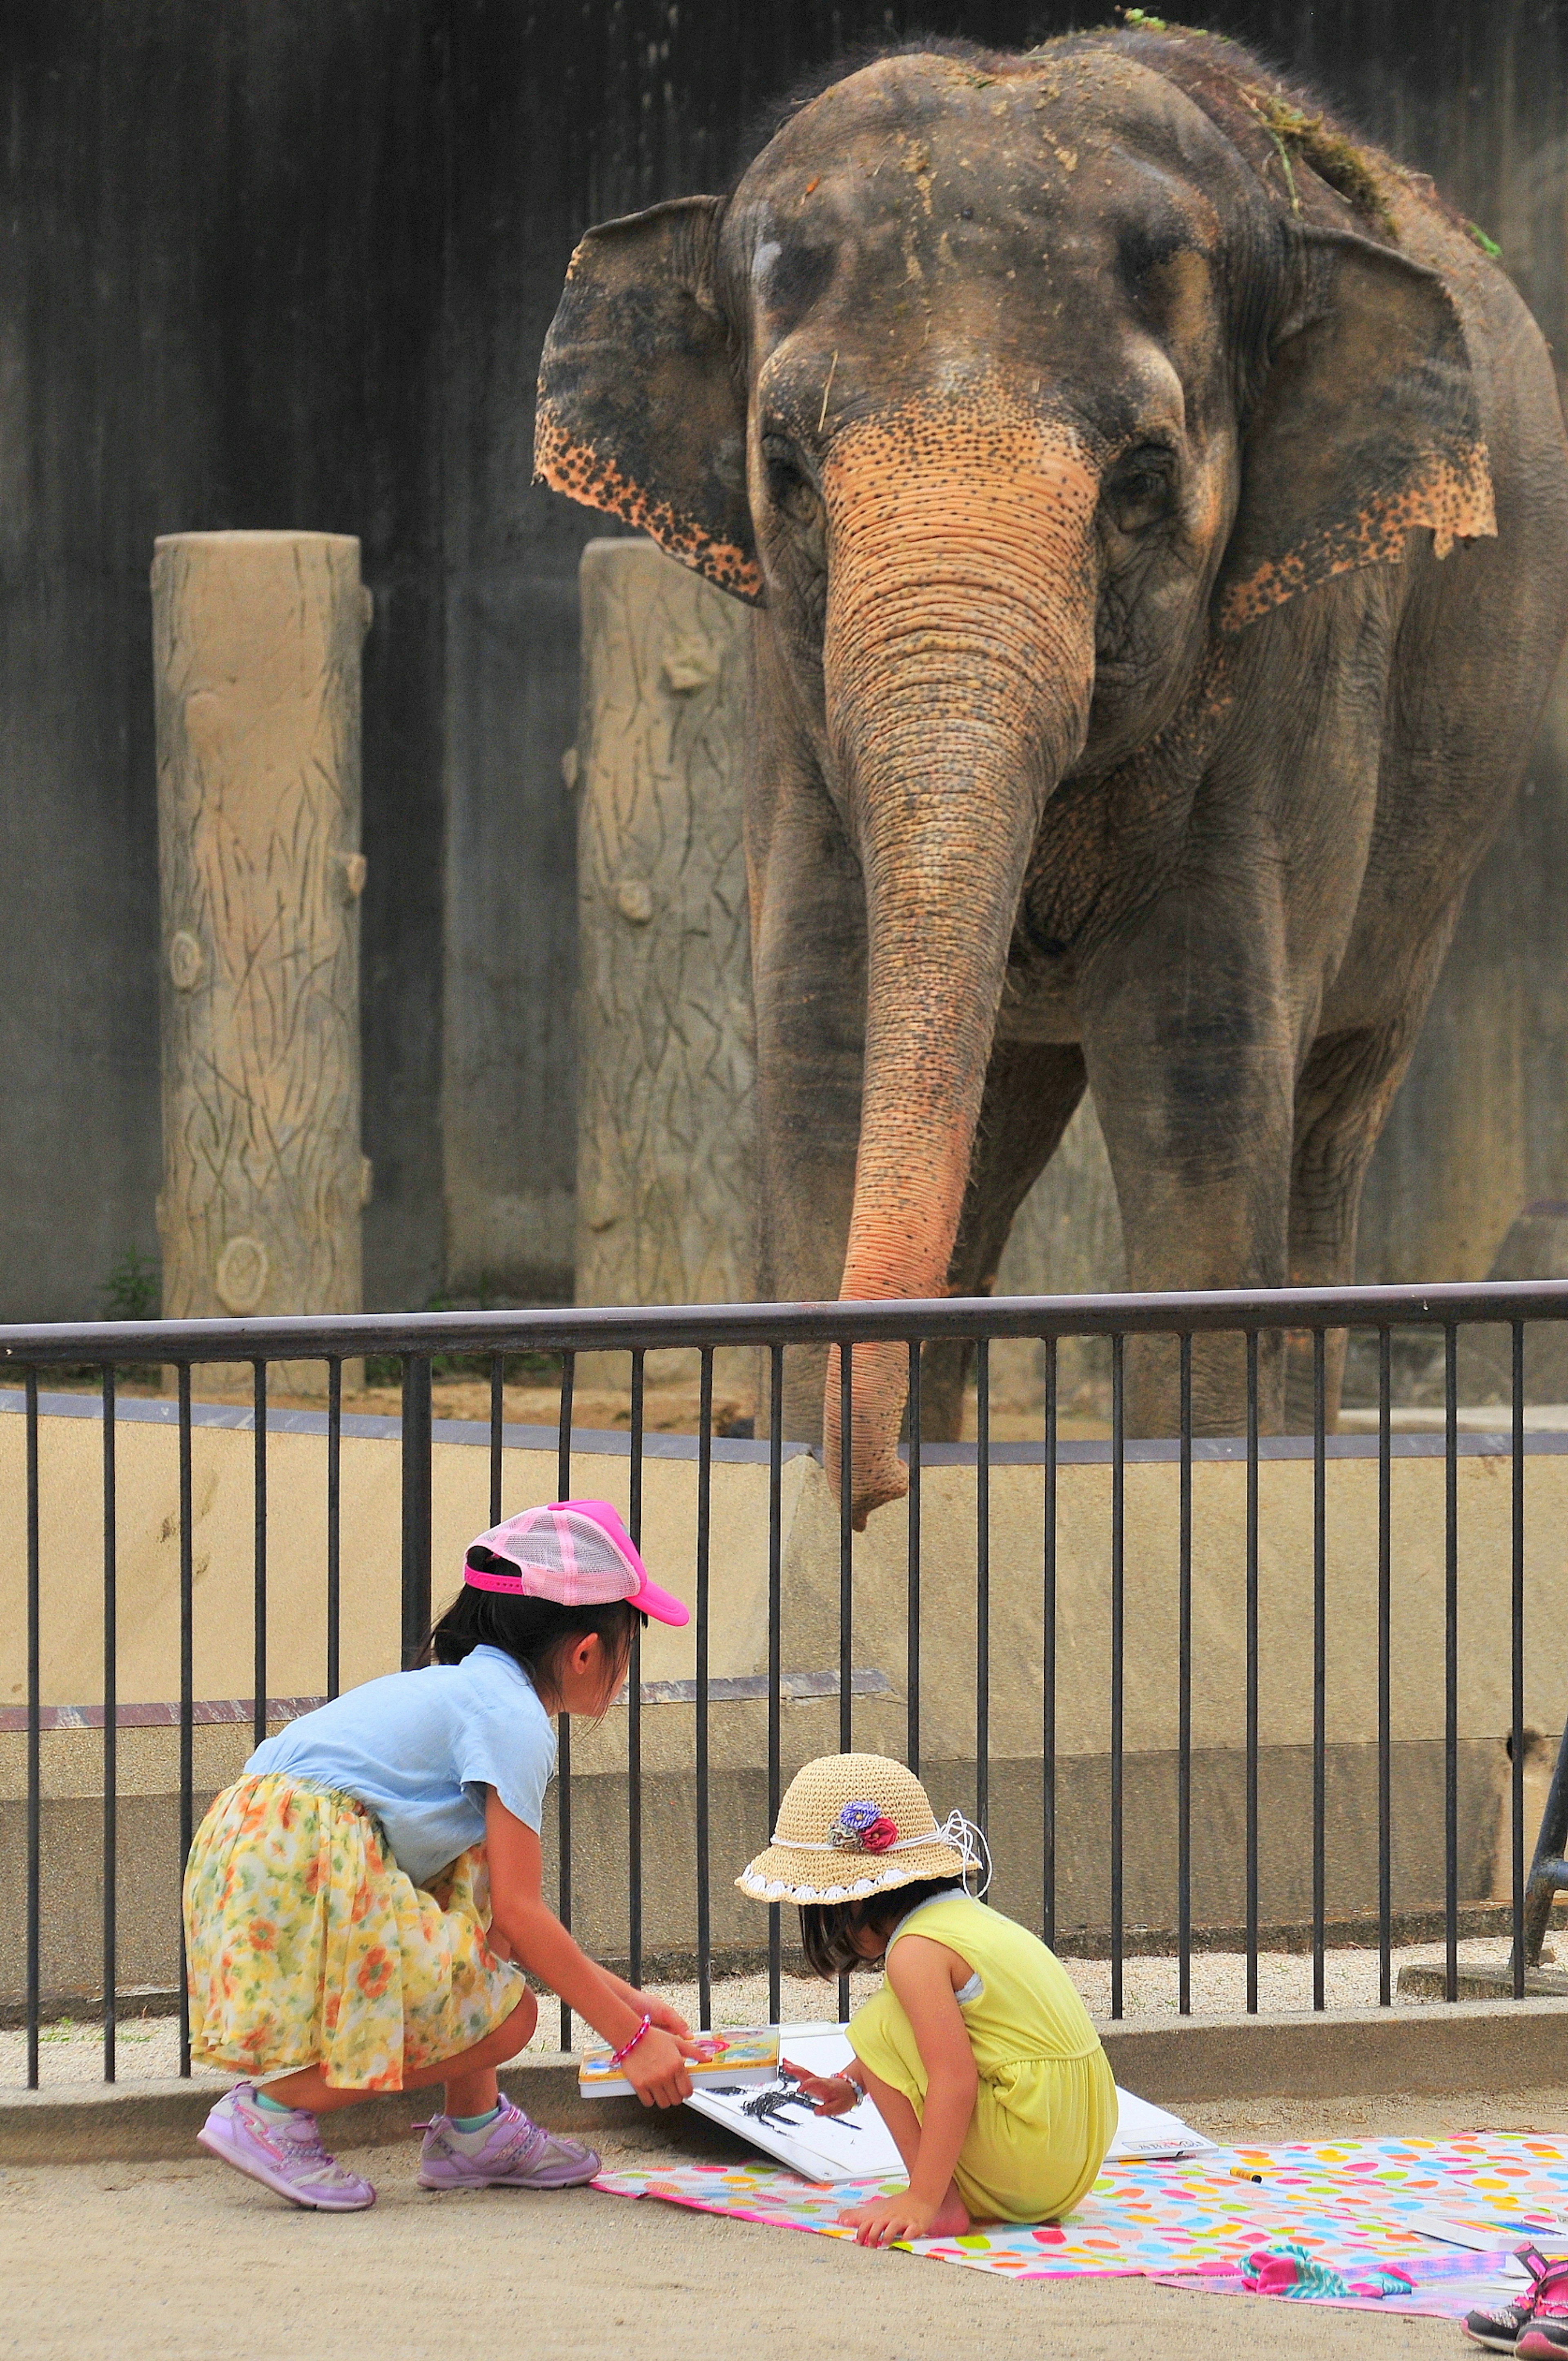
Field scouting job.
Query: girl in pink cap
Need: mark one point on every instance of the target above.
(361, 1904)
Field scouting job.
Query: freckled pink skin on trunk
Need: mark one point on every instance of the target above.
(958, 667)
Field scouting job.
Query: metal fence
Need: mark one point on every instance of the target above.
(1440, 1315)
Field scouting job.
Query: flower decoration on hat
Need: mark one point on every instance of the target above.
(861, 1828)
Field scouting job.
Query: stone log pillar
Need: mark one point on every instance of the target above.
(664, 1029)
(256, 642)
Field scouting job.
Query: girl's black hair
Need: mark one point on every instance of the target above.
(828, 1929)
(532, 1631)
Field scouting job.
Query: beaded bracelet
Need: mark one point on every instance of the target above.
(616, 2055)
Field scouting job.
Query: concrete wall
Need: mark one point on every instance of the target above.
(148, 1638)
(292, 265)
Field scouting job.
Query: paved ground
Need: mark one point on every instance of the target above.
(186, 2262)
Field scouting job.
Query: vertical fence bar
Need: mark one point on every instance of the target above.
(634, 1701)
(334, 1526)
(1450, 1662)
(259, 1549)
(1048, 1664)
(1384, 1675)
(846, 1548)
(111, 1733)
(1252, 1672)
(775, 1651)
(187, 1686)
(911, 1590)
(1184, 1700)
(1515, 1655)
(563, 1720)
(982, 1585)
(1319, 1657)
(704, 1769)
(846, 1577)
(35, 1754)
(416, 1448)
(1118, 1649)
(498, 1424)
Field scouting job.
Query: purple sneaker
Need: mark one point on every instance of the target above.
(283, 2152)
(516, 2154)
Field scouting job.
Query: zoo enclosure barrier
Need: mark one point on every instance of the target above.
(1436, 1316)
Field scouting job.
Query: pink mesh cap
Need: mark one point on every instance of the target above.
(577, 1553)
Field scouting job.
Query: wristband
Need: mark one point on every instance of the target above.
(616, 2055)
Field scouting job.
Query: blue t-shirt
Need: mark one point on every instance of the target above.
(420, 1749)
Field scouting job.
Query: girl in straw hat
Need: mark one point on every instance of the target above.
(978, 2051)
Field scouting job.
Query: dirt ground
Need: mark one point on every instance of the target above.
(670, 1408)
(187, 2262)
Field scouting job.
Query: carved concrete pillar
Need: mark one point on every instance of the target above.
(256, 641)
(665, 1119)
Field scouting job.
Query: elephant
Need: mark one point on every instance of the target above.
(1155, 505)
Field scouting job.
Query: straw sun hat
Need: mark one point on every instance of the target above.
(852, 1825)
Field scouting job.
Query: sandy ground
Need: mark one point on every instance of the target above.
(188, 2262)
(666, 1408)
(72, 2051)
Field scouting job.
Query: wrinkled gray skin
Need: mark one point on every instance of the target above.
(1089, 451)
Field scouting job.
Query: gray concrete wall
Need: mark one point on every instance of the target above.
(221, 284)
(147, 1882)
(291, 267)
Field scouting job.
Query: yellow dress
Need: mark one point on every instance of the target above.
(306, 1945)
(1046, 2110)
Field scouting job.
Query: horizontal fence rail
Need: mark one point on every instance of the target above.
(673, 1806)
(628, 1327)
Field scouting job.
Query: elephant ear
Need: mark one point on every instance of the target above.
(640, 412)
(1367, 426)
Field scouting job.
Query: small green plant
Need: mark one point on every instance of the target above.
(517, 1368)
(1487, 245)
(1141, 16)
(132, 1290)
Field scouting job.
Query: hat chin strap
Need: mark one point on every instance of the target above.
(967, 1841)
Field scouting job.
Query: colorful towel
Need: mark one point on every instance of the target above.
(1290, 2271)
(1351, 2206)
(1441, 2287)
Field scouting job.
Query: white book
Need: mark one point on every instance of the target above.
(858, 2145)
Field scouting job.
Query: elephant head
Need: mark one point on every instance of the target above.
(1006, 387)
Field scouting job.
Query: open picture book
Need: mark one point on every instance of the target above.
(757, 2099)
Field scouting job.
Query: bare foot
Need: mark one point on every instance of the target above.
(952, 2218)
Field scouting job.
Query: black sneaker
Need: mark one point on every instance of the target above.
(1500, 2331)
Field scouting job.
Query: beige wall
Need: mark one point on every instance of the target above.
(148, 1569)
(147, 1566)
(70, 1451)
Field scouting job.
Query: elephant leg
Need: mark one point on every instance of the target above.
(1342, 1102)
(1032, 1089)
(1191, 1059)
(808, 981)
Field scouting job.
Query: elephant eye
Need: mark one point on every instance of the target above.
(789, 487)
(1141, 488)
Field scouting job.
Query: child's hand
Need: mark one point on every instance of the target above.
(661, 2016)
(656, 2068)
(889, 2218)
(827, 2094)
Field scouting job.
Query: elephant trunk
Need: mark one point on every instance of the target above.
(958, 662)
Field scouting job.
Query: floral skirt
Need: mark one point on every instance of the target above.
(306, 1945)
